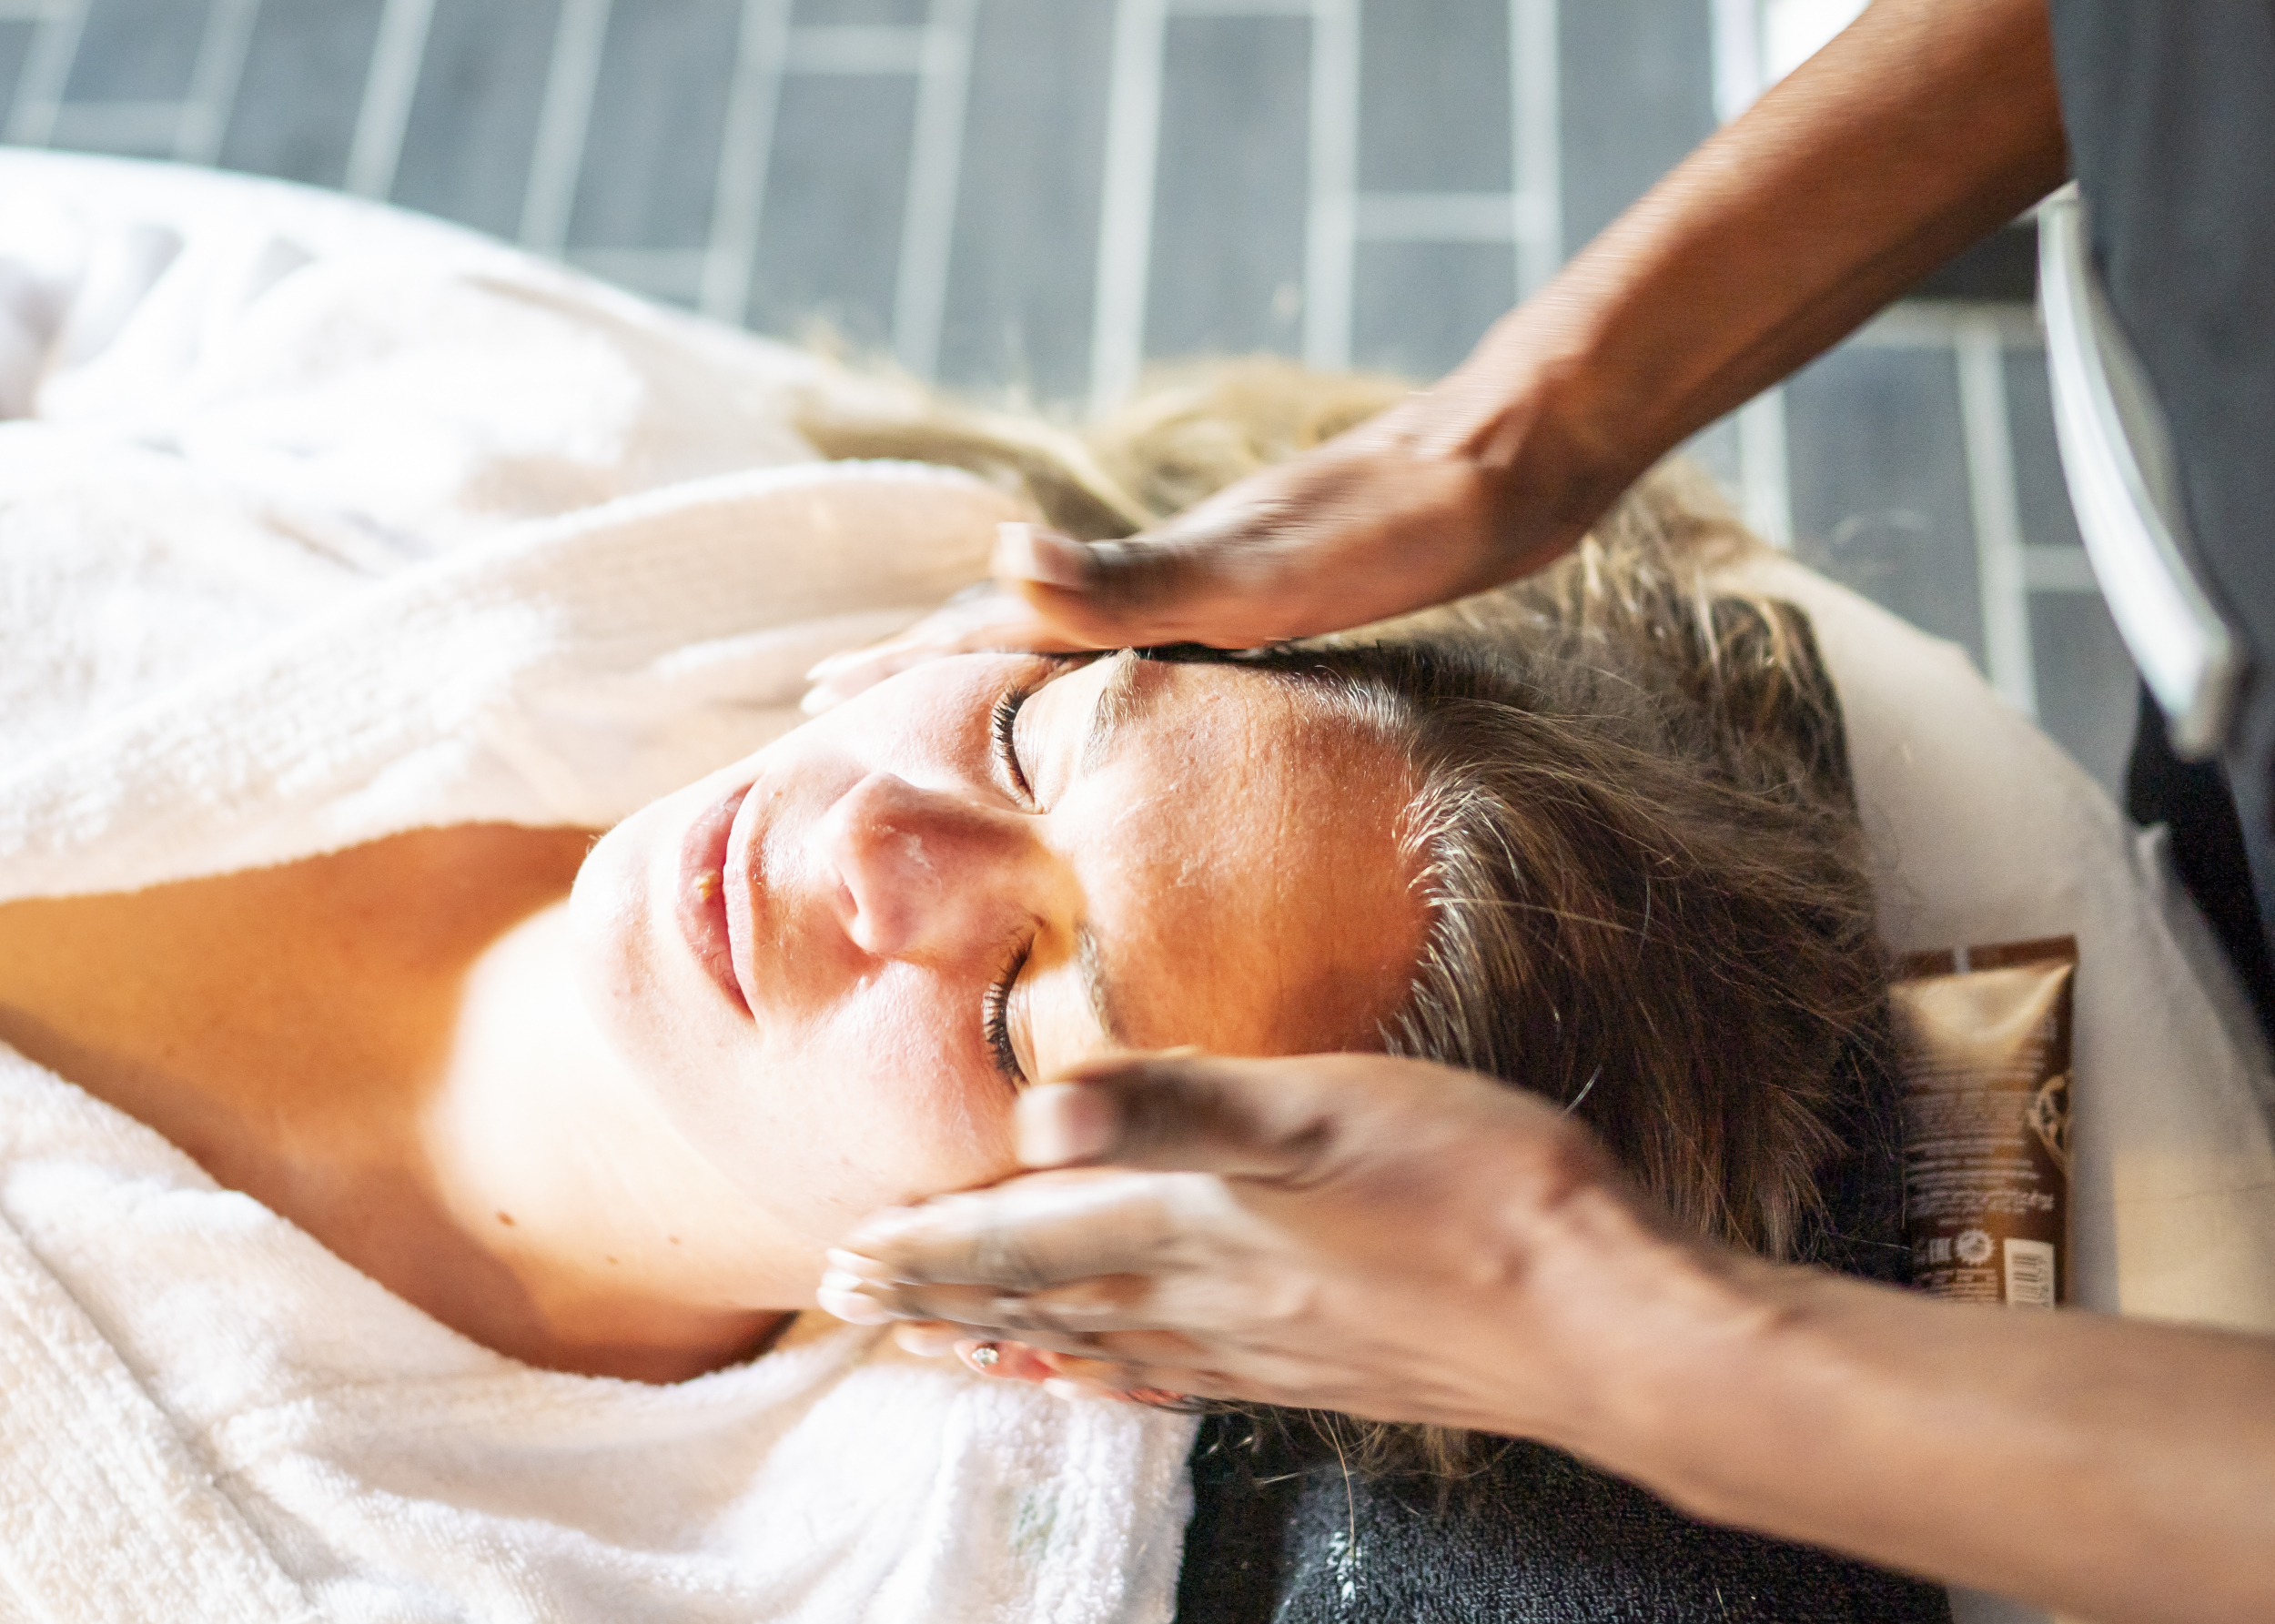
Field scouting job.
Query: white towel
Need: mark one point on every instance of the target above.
(210, 1416)
(278, 575)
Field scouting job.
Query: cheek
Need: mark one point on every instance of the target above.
(890, 1107)
(873, 1100)
(863, 1107)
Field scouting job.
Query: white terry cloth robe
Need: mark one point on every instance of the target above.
(328, 524)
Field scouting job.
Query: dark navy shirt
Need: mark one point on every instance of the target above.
(2170, 105)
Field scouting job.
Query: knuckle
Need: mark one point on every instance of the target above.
(1169, 1102)
(1006, 1256)
(1037, 1316)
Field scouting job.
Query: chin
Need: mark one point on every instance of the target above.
(616, 935)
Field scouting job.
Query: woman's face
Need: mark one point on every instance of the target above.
(836, 964)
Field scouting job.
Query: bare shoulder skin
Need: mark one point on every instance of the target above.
(298, 1030)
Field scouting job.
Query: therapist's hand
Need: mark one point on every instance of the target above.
(1385, 1237)
(979, 617)
(1445, 494)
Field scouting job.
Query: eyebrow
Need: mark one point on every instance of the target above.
(1090, 965)
(1118, 704)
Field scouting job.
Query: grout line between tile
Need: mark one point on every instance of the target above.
(1133, 120)
(47, 69)
(557, 156)
(213, 83)
(397, 56)
(1738, 48)
(935, 165)
(1999, 560)
(745, 149)
(1765, 490)
(1536, 115)
(2052, 567)
(1935, 324)
(1330, 222)
(1438, 216)
(859, 48)
(143, 127)
(1243, 8)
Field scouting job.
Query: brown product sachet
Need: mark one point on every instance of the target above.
(1984, 1039)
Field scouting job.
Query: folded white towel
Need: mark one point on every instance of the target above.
(292, 575)
(207, 1414)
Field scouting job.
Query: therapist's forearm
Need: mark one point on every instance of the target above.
(1923, 126)
(2117, 1470)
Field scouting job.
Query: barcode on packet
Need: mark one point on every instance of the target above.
(2030, 1274)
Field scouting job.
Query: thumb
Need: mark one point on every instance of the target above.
(1193, 580)
(1266, 1119)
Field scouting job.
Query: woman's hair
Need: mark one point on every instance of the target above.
(1634, 830)
(1191, 431)
(1640, 866)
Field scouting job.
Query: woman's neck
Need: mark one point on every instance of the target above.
(384, 1046)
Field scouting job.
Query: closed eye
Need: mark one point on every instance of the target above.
(1002, 722)
(998, 1017)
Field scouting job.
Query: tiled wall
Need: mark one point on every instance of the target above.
(1041, 195)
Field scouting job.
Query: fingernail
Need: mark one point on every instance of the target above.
(1026, 553)
(836, 1295)
(926, 1342)
(852, 1265)
(1062, 1122)
(817, 700)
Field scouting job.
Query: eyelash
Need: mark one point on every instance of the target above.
(1000, 722)
(997, 1006)
(997, 1023)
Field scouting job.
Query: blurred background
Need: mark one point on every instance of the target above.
(1034, 198)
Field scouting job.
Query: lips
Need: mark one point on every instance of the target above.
(700, 904)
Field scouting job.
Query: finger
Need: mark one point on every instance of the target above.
(1077, 1315)
(926, 1339)
(1030, 1235)
(1180, 583)
(1252, 1118)
(1083, 1322)
(842, 677)
(985, 617)
(992, 1356)
(1073, 1375)
(1001, 1359)
(969, 1310)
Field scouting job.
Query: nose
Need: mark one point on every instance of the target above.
(929, 873)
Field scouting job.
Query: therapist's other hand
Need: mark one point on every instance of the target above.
(1414, 508)
(1385, 1237)
(979, 618)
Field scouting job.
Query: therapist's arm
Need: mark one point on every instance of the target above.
(1412, 1244)
(1923, 126)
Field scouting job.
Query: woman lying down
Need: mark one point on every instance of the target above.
(415, 1195)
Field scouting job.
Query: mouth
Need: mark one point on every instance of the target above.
(701, 904)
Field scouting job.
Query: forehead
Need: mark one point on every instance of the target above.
(1238, 846)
